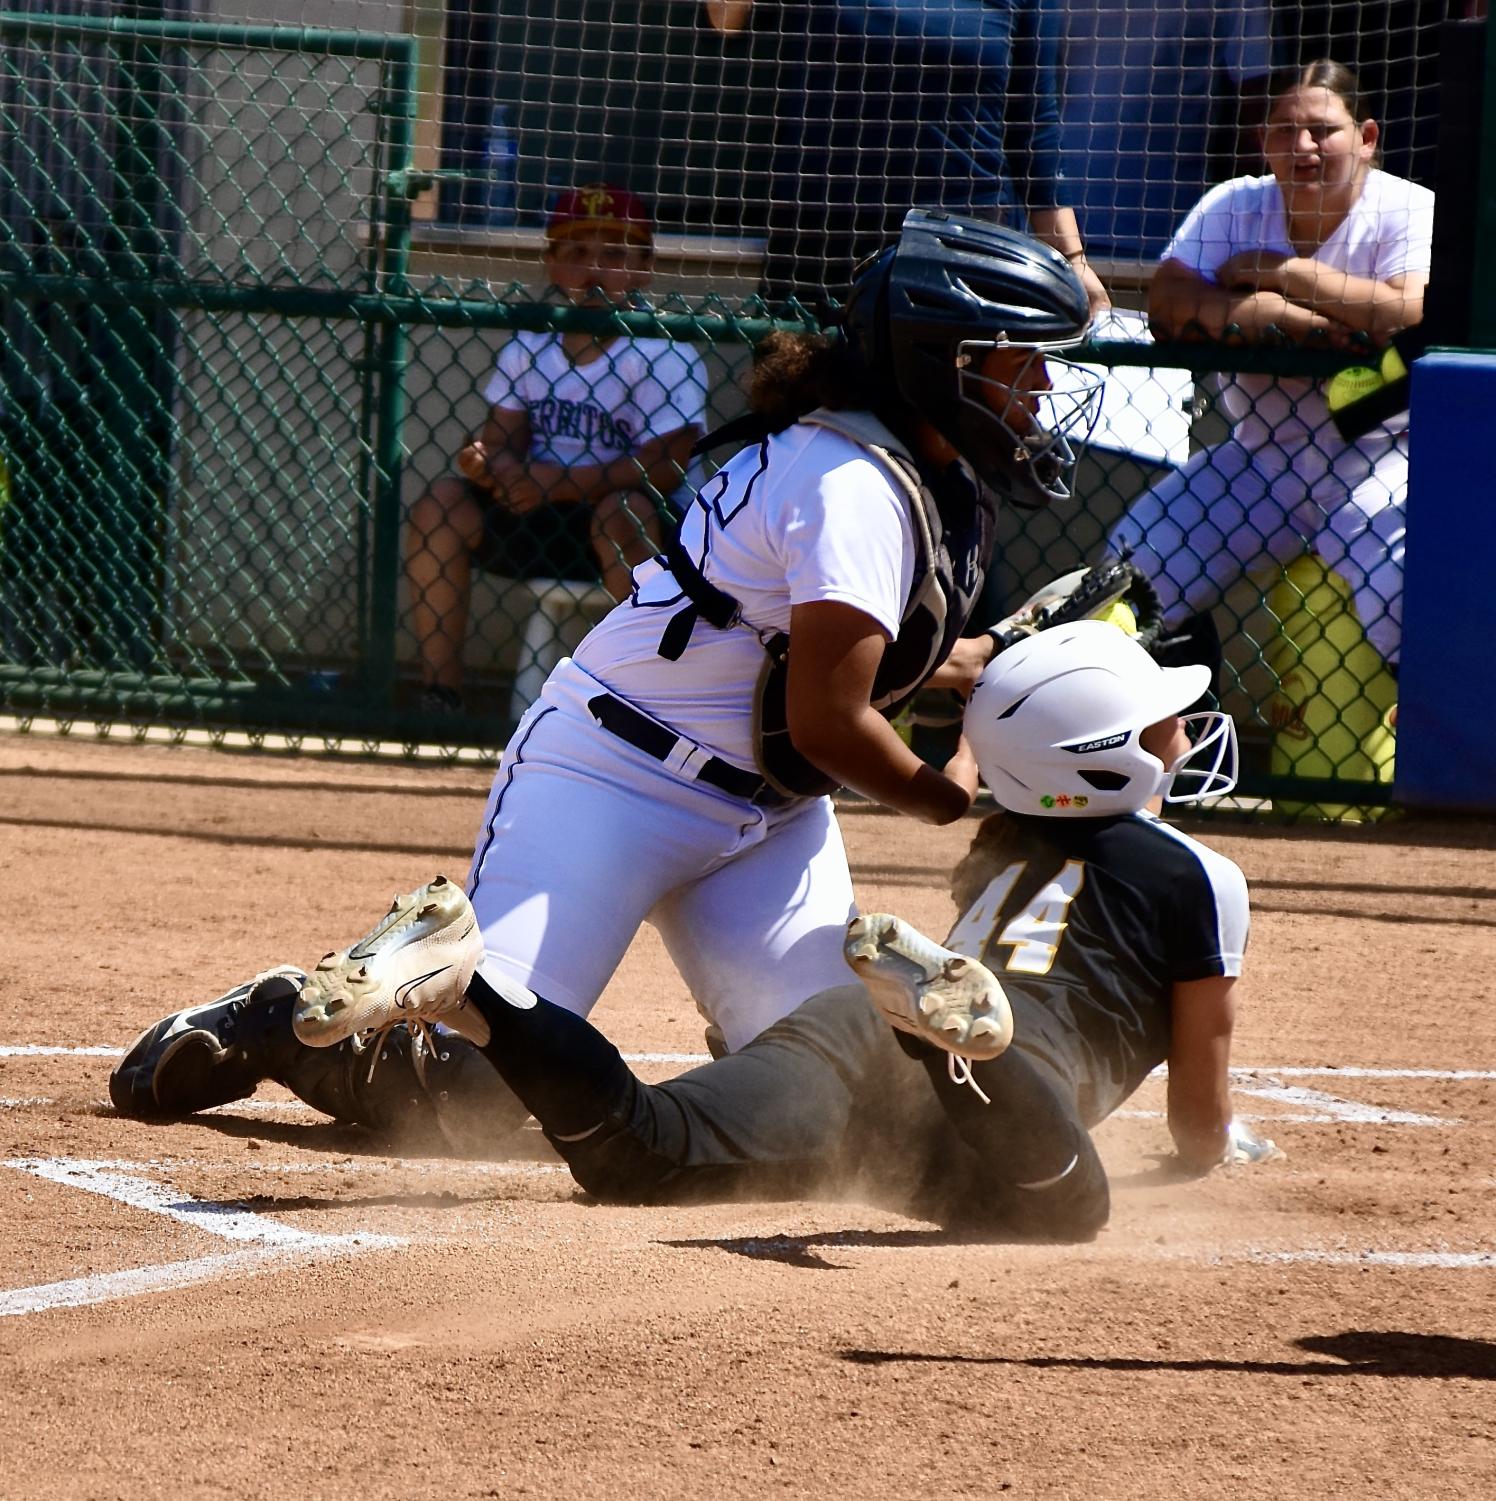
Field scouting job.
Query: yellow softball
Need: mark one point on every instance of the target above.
(1119, 613)
(1351, 385)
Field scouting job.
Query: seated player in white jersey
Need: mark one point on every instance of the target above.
(1095, 942)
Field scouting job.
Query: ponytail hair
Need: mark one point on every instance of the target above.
(795, 373)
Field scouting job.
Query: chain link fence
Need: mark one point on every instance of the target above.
(235, 389)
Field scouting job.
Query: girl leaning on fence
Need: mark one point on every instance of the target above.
(1326, 249)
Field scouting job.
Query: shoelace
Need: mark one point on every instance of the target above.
(960, 1072)
(421, 1045)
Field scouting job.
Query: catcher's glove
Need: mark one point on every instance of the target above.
(1112, 589)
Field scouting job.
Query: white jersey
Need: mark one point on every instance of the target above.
(1388, 233)
(637, 389)
(803, 517)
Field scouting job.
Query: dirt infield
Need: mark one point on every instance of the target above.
(260, 1303)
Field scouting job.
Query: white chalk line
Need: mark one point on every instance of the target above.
(270, 1240)
(272, 1244)
(1331, 1071)
(1240, 1071)
(170, 1276)
(275, 1242)
(1334, 1108)
(1443, 1260)
(65, 1050)
(230, 1221)
(1363, 1115)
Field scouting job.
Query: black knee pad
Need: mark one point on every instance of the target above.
(1075, 1208)
(623, 1160)
(975, 1191)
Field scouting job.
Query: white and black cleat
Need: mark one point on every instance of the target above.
(414, 967)
(930, 991)
(202, 1056)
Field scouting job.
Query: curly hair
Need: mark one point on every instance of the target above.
(795, 373)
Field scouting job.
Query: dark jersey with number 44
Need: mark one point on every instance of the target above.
(1089, 923)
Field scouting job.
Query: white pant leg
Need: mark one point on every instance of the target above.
(1228, 512)
(581, 837)
(1362, 503)
(764, 932)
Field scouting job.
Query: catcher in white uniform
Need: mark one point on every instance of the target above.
(677, 770)
(1324, 249)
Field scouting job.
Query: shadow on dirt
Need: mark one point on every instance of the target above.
(288, 1203)
(345, 1139)
(1355, 1352)
(801, 1250)
(334, 1137)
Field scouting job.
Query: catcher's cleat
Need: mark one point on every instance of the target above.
(414, 967)
(204, 1055)
(930, 991)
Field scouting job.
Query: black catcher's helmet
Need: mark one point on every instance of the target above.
(924, 314)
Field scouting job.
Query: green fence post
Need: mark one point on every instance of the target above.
(390, 210)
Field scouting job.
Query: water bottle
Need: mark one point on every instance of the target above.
(500, 169)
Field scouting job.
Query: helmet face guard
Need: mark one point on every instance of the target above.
(1209, 767)
(923, 315)
(1039, 420)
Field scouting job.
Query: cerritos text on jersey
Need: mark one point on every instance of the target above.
(553, 417)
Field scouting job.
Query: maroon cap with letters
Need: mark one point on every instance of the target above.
(595, 205)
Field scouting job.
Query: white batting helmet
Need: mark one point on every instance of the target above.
(1055, 721)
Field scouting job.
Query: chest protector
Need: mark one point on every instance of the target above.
(953, 530)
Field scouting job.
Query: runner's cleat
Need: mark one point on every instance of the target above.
(204, 1055)
(930, 991)
(414, 967)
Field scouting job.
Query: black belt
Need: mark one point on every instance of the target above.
(661, 742)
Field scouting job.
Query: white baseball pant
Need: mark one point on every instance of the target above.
(1232, 511)
(585, 837)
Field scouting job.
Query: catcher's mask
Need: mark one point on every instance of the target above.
(1055, 724)
(940, 316)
